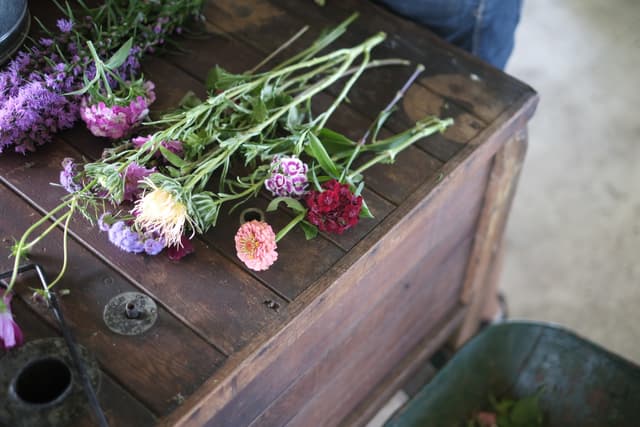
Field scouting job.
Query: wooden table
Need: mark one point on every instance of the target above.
(338, 322)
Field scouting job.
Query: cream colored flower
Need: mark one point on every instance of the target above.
(159, 211)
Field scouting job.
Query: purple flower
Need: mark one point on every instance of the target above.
(64, 25)
(121, 235)
(174, 146)
(134, 174)
(118, 120)
(103, 224)
(10, 333)
(68, 175)
(288, 177)
(153, 246)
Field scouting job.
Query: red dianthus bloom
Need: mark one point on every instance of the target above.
(335, 209)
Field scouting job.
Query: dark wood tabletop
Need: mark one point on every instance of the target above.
(308, 340)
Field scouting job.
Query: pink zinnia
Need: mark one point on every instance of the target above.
(117, 121)
(10, 333)
(256, 245)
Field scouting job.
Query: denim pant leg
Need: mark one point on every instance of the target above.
(485, 28)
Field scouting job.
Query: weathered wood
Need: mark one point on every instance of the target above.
(172, 354)
(405, 371)
(399, 319)
(500, 191)
(324, 311)
(197, 283)
(120, 407)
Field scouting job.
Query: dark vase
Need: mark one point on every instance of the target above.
(14, 26)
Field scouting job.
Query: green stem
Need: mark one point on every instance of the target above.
(290, 225)
(65, 250)
(21, 244)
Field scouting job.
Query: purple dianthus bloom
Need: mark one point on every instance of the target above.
(64, 25)
(68, 175)
(288, 177)
(134, 174)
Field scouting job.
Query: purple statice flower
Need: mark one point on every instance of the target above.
(121, 235)
(64, 25)
(68, 175)
(116, 121)
(288, 177)
(174, 146)
(10, 333)
(128, 240)
(133, 175)
(153, 246)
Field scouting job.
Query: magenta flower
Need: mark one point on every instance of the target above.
(184, 248)
(134, 174)
(117, 121)
(288, 177)
(256, 245)
(10, 333)
(68, 175)
(173, 146)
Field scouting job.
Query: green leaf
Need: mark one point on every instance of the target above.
(333, 141)
(190, 100)
(220, 79)
(259, 113)
(317, 151)
(173, 158)
(120, 56)
(526, 413)
(380, 121)
(310, 230)
(364, 211)
(292, 203)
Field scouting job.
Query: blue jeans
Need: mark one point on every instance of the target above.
(483, 27)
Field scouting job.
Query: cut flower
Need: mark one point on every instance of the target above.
(10, 333)
(335, 209)
(256, 245)
(117, 121)
(159, 211)
(288, 177)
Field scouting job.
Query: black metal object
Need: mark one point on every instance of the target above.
(130, 313)
(14, 26)
(68, 337)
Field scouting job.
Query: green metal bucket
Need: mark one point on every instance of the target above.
(583, 385)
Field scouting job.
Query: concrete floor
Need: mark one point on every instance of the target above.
(573, 239)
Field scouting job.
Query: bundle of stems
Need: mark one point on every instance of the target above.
(247, 119)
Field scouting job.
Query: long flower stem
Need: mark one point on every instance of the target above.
(20, 246)
(65, 249)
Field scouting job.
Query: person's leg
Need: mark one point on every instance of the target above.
(483, 27)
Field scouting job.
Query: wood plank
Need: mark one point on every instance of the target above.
(500, 192)
(325, 311)
(174, 356)
(395, 320)
(400, 322)
(203, 280)
(120, 407)
(415, 366)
